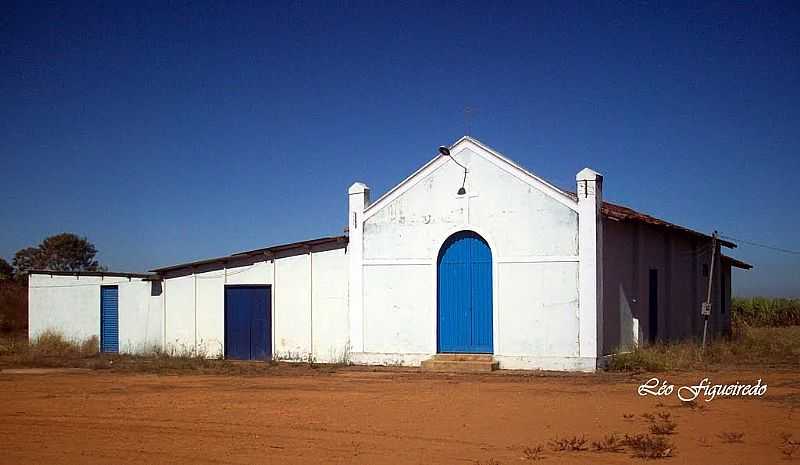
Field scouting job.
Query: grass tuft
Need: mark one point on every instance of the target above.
(732, 437)
(534, 453)
(649, 447)
(610, 443)
(569, 444)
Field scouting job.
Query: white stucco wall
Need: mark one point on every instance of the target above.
(330, 311)
(189, 314)
(195, 304)
(533, 236)
(71, 305)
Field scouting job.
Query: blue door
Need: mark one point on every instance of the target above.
(248, 335)
(465, 295)
(109, 319)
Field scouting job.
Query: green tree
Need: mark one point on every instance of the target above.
(62, 252)
(6, 270)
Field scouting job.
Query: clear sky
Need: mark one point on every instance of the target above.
(167, 133)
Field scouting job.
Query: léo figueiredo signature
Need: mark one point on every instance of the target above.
(657, 387)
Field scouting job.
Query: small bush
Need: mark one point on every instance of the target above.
(662, 425)
(649, 447)
(573, 444)
(534, 453)
(610, 443)
(488, 462)
(789, 446)
(731, 437)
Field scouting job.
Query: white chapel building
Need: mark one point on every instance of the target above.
(471, 254)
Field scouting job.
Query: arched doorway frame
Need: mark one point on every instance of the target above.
(434, 276)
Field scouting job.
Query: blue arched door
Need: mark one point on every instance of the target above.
(464, 295)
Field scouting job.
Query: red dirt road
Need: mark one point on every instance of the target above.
(303, 416)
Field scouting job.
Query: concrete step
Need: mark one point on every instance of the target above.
(461, 363)
(464, 357)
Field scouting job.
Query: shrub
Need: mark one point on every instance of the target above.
(789, 446)
(573, 444)
(662, 425)
(731, 437)
(534, 453)
(610, 443)
(649, 447)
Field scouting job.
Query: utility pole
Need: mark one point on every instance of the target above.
(706, 308)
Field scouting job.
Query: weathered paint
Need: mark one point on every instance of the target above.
(566, 286)
(533, 236)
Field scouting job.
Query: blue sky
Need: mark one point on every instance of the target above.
(167, 133)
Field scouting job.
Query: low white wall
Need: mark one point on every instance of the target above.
(301, 312)
(70, 305)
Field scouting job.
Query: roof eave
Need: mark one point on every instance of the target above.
(309, 244)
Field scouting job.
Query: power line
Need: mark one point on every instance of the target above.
(756, 244)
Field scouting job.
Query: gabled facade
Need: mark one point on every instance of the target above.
(470, 254)
(534, 235)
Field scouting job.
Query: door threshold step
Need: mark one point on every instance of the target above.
(461, 363)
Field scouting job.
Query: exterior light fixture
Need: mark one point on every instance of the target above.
(446, 152)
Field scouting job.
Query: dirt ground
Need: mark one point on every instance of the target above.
(389, 416)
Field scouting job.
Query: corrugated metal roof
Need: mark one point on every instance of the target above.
(333, 240)
(621, 213)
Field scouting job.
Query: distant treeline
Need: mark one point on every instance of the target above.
(766, 311)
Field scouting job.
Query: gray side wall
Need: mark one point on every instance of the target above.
(630, 251)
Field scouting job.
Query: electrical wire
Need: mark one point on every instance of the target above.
(756, 244)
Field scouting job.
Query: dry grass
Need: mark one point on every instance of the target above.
(53, 350)
(662, 424)
(610, 443)
(49, 344)
(533, 453)
(732, 437)
(748, 346)
(569, 444)
(789, 446)
(649, 447)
